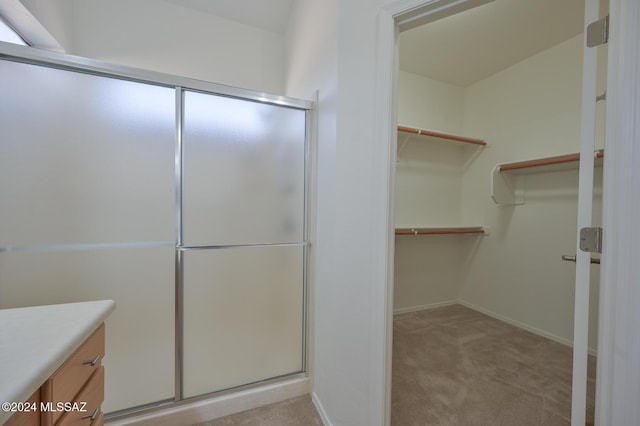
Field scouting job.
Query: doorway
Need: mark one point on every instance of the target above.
(472, 220)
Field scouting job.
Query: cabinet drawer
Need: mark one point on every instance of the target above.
(93, 395)
(99, 421)
(67, 381)
(27, 418)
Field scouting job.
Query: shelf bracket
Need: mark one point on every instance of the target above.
(507, 188)
(404, 142)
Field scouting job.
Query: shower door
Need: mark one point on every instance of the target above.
(241, 244)
(182, 200)
(87, 208)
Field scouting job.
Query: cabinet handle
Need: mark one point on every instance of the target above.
(92, 416)
(93, 362)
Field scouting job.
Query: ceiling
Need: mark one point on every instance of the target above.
(460, 50)
(472, 45)
(270, 15)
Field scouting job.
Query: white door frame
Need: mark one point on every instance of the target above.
(618, 381)
(618, 377)
(584, 220)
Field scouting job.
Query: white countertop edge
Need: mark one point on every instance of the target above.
(35, 342)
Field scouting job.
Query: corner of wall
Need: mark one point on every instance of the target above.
(47, 24)
(321, 411)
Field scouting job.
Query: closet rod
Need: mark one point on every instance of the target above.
(547, 161)
(438, 231)
(440, 135)
(566, 258)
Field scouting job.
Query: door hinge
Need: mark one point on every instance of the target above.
(598, 32)
(591, 240)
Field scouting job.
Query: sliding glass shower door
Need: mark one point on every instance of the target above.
(184, 205)
(87, 212)
(242, 254)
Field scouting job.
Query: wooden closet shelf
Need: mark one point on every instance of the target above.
(507, 180)
(440, 135)
(561, 159)
(440, 231)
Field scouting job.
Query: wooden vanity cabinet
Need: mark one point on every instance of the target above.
(74, 393)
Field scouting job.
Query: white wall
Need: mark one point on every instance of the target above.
(428, 182)
(427, 271)
(168, 38)
(164, 37)
(332, 50)
(428, 171)
(311, 52)
(56, 16)
(312, 65)
(529, 110)
(429, 104)
(428, 193)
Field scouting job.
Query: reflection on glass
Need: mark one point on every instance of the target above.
(246, 120)
(140, 332)
(242, 316)
(131, 104)
(74, 170)
(243, 173)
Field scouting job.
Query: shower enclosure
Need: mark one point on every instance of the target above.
(183, 201)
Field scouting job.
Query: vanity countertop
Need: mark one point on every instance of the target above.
(35, 341)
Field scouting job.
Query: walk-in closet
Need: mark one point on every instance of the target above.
(490, 106)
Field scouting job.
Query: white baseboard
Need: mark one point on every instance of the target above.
(424, 307)
(518, 324)
(321, 411)
(188, 413)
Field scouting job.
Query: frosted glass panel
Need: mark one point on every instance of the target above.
(139, 360)
(242, 316)
(84, 159)
(244, 171)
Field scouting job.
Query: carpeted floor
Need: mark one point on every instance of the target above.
(293, 412)
(456, 366)
(453, 366)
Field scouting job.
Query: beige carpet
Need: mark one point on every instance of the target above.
(455, 366)
(293, 412)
